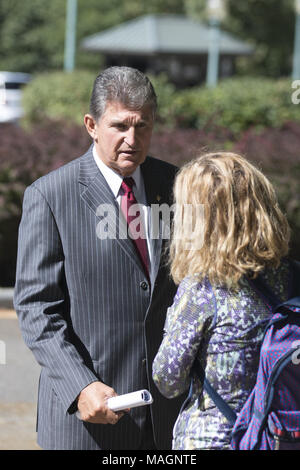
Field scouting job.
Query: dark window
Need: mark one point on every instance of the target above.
(13, 85)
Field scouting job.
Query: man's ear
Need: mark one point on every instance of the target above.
(90, 125)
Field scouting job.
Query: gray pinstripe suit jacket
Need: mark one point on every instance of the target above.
(84, 308)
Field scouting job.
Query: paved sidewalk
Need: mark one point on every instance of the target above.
(6, 297)
(17, 426)
(19, 374)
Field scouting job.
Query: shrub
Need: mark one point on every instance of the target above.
(66, 96)
(178, 146)
(165, 92)
(26, 155)
(236, 103)
(275, 149)
(58, 96)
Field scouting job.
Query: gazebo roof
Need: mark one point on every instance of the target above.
(161, 34)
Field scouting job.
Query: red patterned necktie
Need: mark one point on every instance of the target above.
(128, 200)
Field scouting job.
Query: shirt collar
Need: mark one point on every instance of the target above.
(113, 179)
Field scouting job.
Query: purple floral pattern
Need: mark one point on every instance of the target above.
(224, 330)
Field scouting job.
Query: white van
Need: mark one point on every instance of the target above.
(11, 84)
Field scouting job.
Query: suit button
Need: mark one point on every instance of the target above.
(144, 285)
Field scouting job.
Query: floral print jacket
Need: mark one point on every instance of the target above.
(224, 330)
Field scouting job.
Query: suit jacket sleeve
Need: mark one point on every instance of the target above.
(40, 300)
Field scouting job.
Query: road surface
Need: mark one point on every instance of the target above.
(19, 375)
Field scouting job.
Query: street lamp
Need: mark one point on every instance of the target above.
(70, 38)
(296, 57)
(216, 13)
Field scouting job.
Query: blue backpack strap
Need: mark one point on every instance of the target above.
(294, 301)
(213, 394)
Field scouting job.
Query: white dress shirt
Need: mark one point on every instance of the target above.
(114, 181)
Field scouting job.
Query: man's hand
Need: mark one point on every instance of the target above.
(92, 404)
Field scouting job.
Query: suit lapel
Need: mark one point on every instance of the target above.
(152, 189)
(97, 193)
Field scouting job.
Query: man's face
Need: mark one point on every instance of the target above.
(122, 136)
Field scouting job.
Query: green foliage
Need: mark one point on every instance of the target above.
(270, 26)
(32, 32)
(236, 104)
(57, 96)
(165, 92)
(196, 9)
(61, 95)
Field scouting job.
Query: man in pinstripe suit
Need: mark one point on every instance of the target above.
(90, 312)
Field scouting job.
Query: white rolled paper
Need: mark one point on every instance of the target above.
(128, 400)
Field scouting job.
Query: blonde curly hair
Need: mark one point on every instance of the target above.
(243, 229)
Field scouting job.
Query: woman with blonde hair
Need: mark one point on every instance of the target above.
(228, 228)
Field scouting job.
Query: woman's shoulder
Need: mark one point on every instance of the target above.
(193, 305)
(192, 282)
(195, 289)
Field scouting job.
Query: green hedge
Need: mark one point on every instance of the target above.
(236, 103)
(57, 96)
(66, 96)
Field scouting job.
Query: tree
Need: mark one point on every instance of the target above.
(31, 35)
(267, 24)
(32, 32)
(270, 25)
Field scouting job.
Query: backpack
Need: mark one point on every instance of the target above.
(270, 417)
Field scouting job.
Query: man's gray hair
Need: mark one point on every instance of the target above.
(124, 85)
